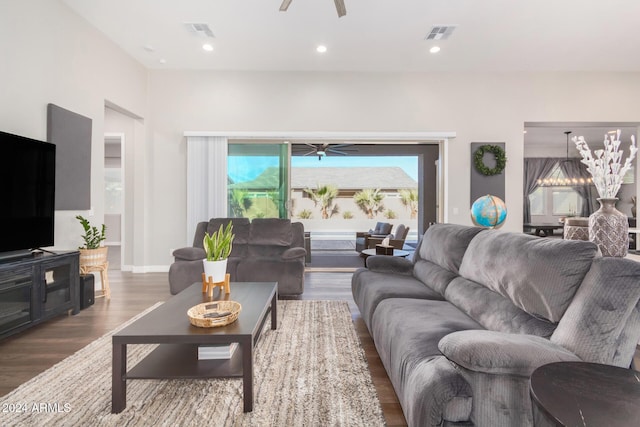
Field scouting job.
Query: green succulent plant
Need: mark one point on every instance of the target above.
(218, 245)
(92, 237)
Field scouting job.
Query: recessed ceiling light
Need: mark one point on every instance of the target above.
(524, 131)
(434, 49)
(163, 61)
(208, 47)
(321, 49)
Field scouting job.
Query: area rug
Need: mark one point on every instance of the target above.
(311, 371)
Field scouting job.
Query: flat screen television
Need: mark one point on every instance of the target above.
(27, 193)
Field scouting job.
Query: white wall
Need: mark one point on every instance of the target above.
(50, 55)
(478, 107)
(59, 58)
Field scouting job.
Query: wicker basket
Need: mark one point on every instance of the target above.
(93, 257)
(197, 314)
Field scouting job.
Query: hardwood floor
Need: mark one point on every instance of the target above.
(25, 355)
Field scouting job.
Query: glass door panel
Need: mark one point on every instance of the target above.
(258, 180)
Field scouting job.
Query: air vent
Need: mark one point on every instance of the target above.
(440, 32)
(200, 29)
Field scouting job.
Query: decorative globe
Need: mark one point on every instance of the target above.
(488, 211)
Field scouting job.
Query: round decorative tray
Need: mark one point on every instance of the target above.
(214, 314)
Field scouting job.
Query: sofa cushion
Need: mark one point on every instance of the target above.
(432, 275)
(602, 323)
(293, 253)
(370, 288)
(407, 331)
(445, 244)
(270, 232)
(493, 311)
(538, 275)
(189, 254)
(240, 231)
(502, 354)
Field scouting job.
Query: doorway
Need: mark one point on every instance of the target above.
(114, 196)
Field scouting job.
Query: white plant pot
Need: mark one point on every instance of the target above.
(215, 269)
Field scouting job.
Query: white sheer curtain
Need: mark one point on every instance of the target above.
(206, 180)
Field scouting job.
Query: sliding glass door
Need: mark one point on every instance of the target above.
(258, 180)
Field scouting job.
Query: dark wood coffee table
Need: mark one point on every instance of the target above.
(590, 394)
(177, 355)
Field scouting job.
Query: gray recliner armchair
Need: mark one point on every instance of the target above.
(264, 250)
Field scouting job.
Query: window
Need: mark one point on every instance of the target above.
(258, 176)
(555, 201)
(565, 201)
(536, 200)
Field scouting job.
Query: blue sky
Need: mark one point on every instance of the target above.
(246, 168)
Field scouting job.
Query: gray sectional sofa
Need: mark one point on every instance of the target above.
(461, 327)
(264, 250)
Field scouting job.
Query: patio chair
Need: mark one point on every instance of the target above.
(382, 230)
(396, 239)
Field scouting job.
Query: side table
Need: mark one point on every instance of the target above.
(372, 252)
(589, 394)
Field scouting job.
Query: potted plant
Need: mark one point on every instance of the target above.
(92, 253)
(217, 246)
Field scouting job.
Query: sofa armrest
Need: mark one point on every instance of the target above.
(390, 264)
(293, 253)
(189, 254)
(501, 353)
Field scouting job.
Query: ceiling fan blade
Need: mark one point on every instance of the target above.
(338, 152)
(341, 145)
(311, 145)
(340, 8)
(309, 153)
(285, 5)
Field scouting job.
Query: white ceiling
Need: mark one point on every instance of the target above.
(375, 35)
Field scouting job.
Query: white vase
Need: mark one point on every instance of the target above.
(215, 269)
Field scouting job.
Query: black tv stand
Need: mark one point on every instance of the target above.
(36, 287)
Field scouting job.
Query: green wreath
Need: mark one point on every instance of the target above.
(498, 153)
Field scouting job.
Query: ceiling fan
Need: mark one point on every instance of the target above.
(322, 150)
(340, 8)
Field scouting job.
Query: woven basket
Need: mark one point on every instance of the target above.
(93, 257)
(197, 313)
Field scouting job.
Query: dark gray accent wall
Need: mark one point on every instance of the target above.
(481, 185)
(71, 132)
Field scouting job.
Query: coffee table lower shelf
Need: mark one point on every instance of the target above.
(180, 361)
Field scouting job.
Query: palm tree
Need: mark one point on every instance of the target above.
(370, 201)
(239, 202)
(409, 199)
(324, 196)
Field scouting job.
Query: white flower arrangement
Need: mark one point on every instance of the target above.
(605, 165)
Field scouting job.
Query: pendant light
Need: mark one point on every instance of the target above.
(555, 181)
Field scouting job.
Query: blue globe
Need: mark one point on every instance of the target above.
(488, 211)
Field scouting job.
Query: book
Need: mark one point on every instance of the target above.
(221, 351)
